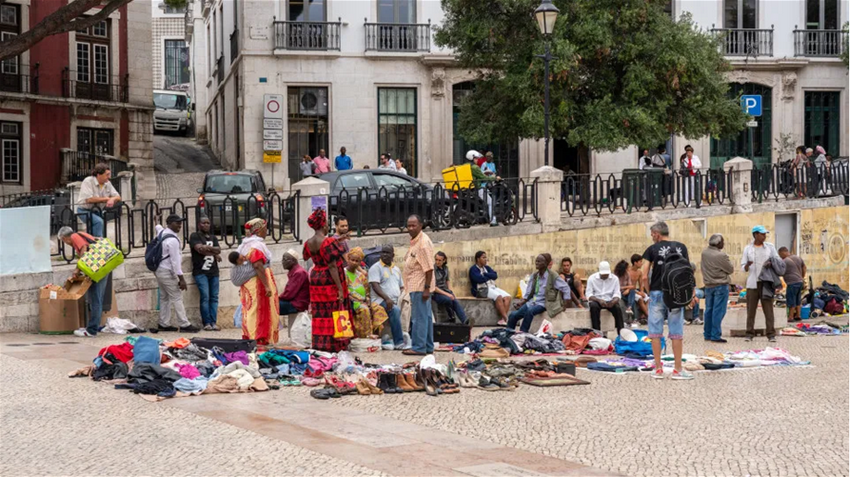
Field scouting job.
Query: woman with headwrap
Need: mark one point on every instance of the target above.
(260, 312)
(328, 290)
(368, 317)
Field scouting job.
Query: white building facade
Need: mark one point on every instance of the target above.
(366, 75)
(171, 58)
(198, 70)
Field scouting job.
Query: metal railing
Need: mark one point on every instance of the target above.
(234, 45)
(18, 78)
(398, 37)
(782, 181)
(115, 91)
(387, 209)
(819, 43)
(77, 165)
(307, 35)
(131, 229)
(219, 69)
(746, 41)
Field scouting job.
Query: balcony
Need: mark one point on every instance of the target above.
(819, 43)
(749, 42)
(398, 37)
(115, 91)
(18, 78)
(77, 165)
(315, 36)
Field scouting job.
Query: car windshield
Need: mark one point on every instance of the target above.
(228, 184)
(169, 101)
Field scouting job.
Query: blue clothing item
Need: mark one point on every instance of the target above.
(526, 313)
(196, 385)
(94, 297)
(208, 289)
(477, 277)
(453, 307)
(395, 325)
(97, 226)
(421, 324)
(343, 163)
(538, 296)
(146, 350)
(630, 299)
(658, 312)
(792, 295)
(716, 301)
(286, 308)
(700, 295)
(488, 166)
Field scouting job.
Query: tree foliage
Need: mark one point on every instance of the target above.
(625, 73)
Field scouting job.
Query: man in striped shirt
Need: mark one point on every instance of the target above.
(419, 281)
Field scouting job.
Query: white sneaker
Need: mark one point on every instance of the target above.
(82, 333)
(634, 325)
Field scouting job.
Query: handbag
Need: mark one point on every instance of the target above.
(342, 324)
(482, 290)
(100, 260)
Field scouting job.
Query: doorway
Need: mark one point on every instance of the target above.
(570, 159)
(786, 231)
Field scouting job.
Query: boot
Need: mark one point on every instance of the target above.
(411, 381)
(383, 383)
(402, 383)
(372, 389)
(392, 382)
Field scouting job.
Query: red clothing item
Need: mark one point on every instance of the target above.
(79, 242)
(122, 352)
(481, 160)
(297, 290)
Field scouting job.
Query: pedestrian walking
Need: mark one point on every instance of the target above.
(387, 163)
(323, 164)
(755, 258)
(97, 192)
(795, 272)
(99, 294)
(419, 279)
(399, 166)
(169, 276)
(206, 254)
(342, 162)
(716, 269)
(655, 258)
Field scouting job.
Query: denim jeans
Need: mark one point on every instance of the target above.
(94, 296)
(208, 289)
(286, 308)
(395, 324)
(700, 295)
(716, 300)
(453, 306)
(526, 313)
(421, 324)
(658, 311)
(96, 221)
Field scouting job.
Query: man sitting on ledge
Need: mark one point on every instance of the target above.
(603, 292)
(546, 291)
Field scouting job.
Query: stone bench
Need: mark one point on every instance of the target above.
(735, 321)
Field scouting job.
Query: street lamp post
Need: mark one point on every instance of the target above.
(546, 14)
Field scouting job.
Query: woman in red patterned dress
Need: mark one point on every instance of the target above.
(328, 290)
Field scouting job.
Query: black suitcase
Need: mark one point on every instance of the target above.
(451, 333)
(228, 346)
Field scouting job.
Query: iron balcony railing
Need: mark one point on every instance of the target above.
(783, 181)
(819, 43)
(398, 37)
(115, 90)
(320, 36)
(751, 42)
(18, 78)
(219, 69)
(77, 165)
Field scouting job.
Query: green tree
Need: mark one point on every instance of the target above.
(625, 73)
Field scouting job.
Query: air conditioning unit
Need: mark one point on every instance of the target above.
(313, 102)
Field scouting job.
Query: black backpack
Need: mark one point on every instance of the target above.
(153, 252)
(677, 281)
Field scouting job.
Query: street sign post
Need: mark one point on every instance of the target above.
(752, 124)
(752, 105)
(272, 130)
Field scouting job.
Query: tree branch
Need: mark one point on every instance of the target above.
(62, 20)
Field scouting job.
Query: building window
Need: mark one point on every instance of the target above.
(176, 63)
(396, 11)
(307, 125)
(93, 54)
(668, 9)
(306, 10)
(823, 120)
(10, 140)
(723, 149)
(174, 10)
(740, 14)
(10, 27)
(822, 15)
(397, 125)
(95, 141)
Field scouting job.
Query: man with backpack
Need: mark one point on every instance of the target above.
(671, 288)
(163, 256)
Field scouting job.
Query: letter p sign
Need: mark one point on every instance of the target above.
(751, 104)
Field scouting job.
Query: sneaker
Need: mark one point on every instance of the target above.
(634, 325)
(207, 328)
(682, 375)
(658, 373)
(698, 321)
(748, 338)
(167, 328)
(83, 333)
(688, 323)
(772, 339)
(189, 329)
(215, 328)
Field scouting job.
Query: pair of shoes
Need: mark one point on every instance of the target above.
(682, 375)
(388, 383)
(720, 340)
(410, 352)
(207, 328)
(216, 328)
(167, 328)
(325, 393)
(502, 322)
(365, 388)
(658, 373)
(698, 321)
(772, 339)
(189, 329)
(83, 333)
(748, 338)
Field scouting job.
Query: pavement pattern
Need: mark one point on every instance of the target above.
(780, 421)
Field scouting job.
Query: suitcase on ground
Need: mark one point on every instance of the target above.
(451, 333)
(228, 346)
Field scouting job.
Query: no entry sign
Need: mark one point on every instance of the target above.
(273, 106)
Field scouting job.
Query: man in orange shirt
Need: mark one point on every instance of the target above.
(419, 281)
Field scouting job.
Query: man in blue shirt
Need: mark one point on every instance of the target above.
(343, 161)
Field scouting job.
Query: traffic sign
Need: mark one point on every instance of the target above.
(273, 134)
(751, 103)
(272, 123)
(271, 157)
(272, 145)
(273, 106)
(752, 124)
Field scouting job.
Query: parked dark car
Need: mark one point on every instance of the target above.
(233, 198)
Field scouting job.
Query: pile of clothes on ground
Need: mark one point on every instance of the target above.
(503, 342)
(709, 361)
(821, 328)
(829, 299)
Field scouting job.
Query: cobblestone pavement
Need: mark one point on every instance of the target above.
(180, 165)
(767, 422)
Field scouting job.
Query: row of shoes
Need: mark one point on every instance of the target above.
(475, 379)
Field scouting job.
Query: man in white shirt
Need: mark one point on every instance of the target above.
(387, 285)
(169, 276)
(96, 190)
(756, 255)
(603, 291)
(387, 163)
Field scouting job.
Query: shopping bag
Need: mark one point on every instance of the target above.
(100, 260)
(342, 325)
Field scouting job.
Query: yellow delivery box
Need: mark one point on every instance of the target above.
(458, 177)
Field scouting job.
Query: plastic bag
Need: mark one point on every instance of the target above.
(302, 330)
(237, 317)
(545, 328)
(523, 284)
(364, 345)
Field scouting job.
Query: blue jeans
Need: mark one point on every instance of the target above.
(421, 324)
(453, 307)
(96, 221)
(286, 308)
(94, 296)
(395, 324)
(526, 313)
(658, 311)
(208, 289)
(792, 295)
(716, 299)
(700, 295)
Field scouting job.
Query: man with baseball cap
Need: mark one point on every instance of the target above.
(296, 295)
(603, 292)
(757, 255)
(169, 276)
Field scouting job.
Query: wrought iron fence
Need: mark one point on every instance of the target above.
(113, 90)
(782, 181)
(823, 43)
(387, 209)
(401, 37)
(18, 78)
(307, 35)
(746, 41)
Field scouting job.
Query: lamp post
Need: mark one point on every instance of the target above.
(546, 14)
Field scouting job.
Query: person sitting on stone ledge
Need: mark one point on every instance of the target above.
(483, 280)
(603, 292)
(574, 280)
(545, 292)
(443, 294)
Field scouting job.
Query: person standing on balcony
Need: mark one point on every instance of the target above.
(343, 161)
(97, 191)
(323, 164)
(206, 254)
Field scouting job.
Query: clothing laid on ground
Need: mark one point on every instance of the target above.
(297, 289)
(793, 269)
(656, 254)
(260, 309)
(716, 267)
(324, 300)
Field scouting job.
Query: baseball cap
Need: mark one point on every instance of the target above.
(604, 268)
(174, 218)
(760, 229)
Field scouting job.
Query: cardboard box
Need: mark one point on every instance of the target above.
(60, 309)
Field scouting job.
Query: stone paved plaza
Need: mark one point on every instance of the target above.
(767, 422)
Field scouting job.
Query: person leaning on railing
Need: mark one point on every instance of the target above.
(96, 190)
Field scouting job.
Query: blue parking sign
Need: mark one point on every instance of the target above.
(751, 103)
